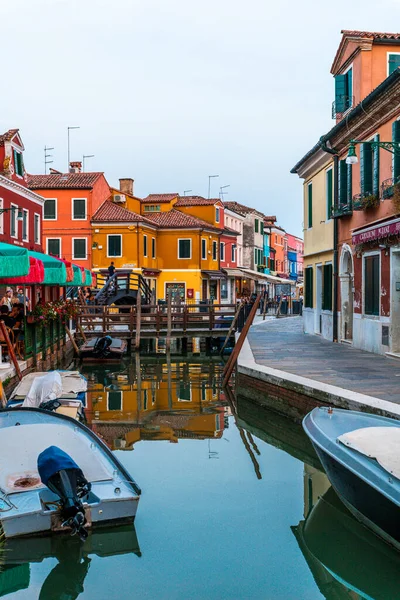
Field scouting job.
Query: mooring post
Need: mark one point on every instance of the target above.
(169, 323)
(138, 319)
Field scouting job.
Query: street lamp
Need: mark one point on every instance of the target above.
(393, 147)
(69, 129)
(209, 183)
(20, 215)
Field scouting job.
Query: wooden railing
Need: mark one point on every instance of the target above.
(122, 282)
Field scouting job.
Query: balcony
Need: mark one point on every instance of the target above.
(389, 186)
(365, 201)
(341, 105)
(343, 210)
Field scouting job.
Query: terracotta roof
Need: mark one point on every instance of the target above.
(174, 219)
(118, 191)
(111, 212)
(56, 181)
(367, 36)
(196, 201)
(160, 198)
(7, 136)
(239, 208)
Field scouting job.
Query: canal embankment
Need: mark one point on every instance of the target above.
(287, 371)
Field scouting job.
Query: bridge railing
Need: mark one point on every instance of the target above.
(122, 281)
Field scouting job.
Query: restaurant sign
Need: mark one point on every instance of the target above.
(376, 233)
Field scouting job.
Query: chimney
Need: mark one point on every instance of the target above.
(75, 167)
(126, 186)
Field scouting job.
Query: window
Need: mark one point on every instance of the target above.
(54, 246)
(276, 239)
(221, 251)
(36, 228)
(152, 208)
(329, 193)
(145, 245)
(327, 287)
(224, 289)
(396, 157)
(50, 209)
(345, 183)
(153, 247)
(114, 400)
(393, 62)
(256, 225)
(18, 164)
(13, 221)
(344, 91)
(309, 203)
(233, 253)
(114, 245)
(25, 225)
(261, 227)
(371, 285)
(79, 248)
(203, 249)
(217, 215)
(366, 168)
(185, 248)
(308, 300)
(214, 250)
(185, 394)
(79, 209)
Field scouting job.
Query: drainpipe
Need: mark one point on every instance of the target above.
(332, 151)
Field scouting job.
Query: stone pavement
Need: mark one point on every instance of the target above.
(281, 344)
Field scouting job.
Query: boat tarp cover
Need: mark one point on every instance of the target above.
(381, 443)
(72, 383)
(47, 387)
(20, 459)
(52, 460)
(14, 261)
(55, 271)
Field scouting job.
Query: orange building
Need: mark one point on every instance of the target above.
(70, 201)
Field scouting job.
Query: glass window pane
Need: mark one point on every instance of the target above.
(49, 209)
(114, 245)
(79, 208)
(53, 247)
(79, 248)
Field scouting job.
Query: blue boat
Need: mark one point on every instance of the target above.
(360, 453)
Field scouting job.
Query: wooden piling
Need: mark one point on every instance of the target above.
(169, 324)
(71, 337)
(10, 348)
(232, 327)
(138, 319)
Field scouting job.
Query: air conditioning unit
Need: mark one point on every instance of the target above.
(119, 198)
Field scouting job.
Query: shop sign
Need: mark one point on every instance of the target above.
(376, 234)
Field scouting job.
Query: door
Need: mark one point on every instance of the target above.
(204, 291)
(214, 291)
(318, 306)
(395, 308)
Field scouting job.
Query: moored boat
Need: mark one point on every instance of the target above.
(360, 454)
(104, 348)
(56, 474)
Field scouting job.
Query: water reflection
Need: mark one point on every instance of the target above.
(155, 400)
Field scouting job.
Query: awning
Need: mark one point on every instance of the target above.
(376, 232)
(234, 273)
(270, 278)
(69, 269)
(14, 261)
(214, 274)
(77, 280)
(55, 272)
(150, 272)
(86, 277)
(35, 275)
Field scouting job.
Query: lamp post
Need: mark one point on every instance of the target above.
(83, 160)
(351, 159)
(69, 129)
(209, 183)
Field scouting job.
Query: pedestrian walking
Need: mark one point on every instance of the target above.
(111, 270)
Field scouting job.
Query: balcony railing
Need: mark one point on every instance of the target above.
(365, 201)
(388, 187)
(341, 105)
(343, 210)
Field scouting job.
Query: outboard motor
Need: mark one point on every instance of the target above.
(101, 347)
(62, 476)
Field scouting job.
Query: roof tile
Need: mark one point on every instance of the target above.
(7, 136)
(174, 219)
(196, 201)
(111, 212)
(159, 198)
(63, 181)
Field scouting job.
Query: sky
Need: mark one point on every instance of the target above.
(170, 92)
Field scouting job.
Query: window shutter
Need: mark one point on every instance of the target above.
(262, 227)
(342, 182)
(310, 205)
(349, 183)
(366, 168)
(309, 287)
(396, 157)
(256, 225)
(394, 62)
(327, 288)
(340, 93)
(375, 181)
(349, 88)
(329, 193)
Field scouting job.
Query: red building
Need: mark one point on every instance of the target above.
(21, 210)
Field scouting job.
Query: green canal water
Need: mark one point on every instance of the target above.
(230, 505)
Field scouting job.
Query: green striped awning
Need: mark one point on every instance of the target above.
(77, 280)
(14, 261)
(55, 271)
(88, 278)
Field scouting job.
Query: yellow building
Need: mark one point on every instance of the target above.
(154, 203)
(317, 170)
(210, 210)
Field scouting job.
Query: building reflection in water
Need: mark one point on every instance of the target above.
(155, 400)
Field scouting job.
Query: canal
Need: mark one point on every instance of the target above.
(234, 504)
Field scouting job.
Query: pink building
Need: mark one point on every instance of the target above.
(295, 254)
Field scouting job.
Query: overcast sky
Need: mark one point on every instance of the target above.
(170, 91)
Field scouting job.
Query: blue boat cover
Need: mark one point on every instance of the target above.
(52, 460)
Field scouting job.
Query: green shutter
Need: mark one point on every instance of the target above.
(342, 182)
(262, 227)
(349, 184)
(366, 168)
(371, 285)
(308, 301)
(329, 194)
(349, 90)
(394, 62)
(256, 225)
(327, 288)
(340, 93)
(375, 181)
(309, 192)
(396, 157)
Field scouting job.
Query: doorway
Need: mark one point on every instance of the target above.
(318, 305)
(346, 276)
(395, 296)
(204, 289)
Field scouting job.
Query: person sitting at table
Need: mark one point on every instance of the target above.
(6, 317)
(18, 314)
(21, 297)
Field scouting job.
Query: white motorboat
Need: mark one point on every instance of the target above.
(56, 474)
